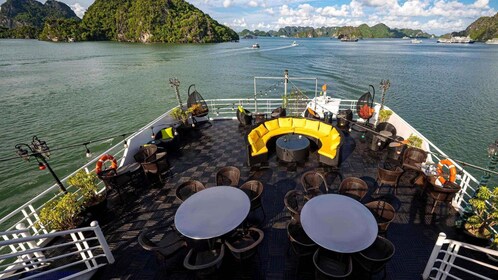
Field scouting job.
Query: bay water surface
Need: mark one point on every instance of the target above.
(73, 93)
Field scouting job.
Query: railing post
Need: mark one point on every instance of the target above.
(102, 241)
(31, 244)
(434, 254)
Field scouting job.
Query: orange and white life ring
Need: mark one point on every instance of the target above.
(450, 166)
(104, 158)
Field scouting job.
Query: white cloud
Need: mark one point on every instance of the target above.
(270, 11)
(227, 3)
(78, 9)
(237, 23)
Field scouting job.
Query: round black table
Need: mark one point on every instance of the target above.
(292, 148)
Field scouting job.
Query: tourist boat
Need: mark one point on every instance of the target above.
(493, 41)
(294, 44)
(255, 46)
(456, 40)
(405, 38)
(347, 39)
(111, 250)
(416, 41)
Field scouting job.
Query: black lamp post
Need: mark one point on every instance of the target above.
(493, 160)
(41, 152)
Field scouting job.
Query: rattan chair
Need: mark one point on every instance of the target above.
(205, 261)
(413, 158)
(169, 242)
(300, 243)
(331, 265)
(254, 189)
(244, 116)
(374, 258)
(294, 202)
(186, 189)
(353, 187)
(157, 165)
(145, 152)
(383, 212)
(311, 182)
(444, 193)
(228, 176)
(388, 177)
(244, 243)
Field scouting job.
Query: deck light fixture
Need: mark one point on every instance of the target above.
(153, 135)
(88, 153)
(41, 152)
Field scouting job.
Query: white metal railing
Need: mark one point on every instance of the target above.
(450, 259)
(80, 252)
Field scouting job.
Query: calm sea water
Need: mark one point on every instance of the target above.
(71, 93)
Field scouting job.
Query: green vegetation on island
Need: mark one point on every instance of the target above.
(170, 21)
(25, 18)
(363, 31)
(483, 29)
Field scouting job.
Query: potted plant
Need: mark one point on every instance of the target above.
(414, 141)
(484, 213)
(384, 115)
(94, 203)
(61, 213)
(180, 115)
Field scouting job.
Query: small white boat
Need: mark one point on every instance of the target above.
(255, 46)
(493, 41)
(294, 44)
(405, 38)
(416, 41)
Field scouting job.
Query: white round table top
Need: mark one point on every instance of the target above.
(212, 212)
(339, 223)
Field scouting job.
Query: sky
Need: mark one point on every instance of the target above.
(433, 16)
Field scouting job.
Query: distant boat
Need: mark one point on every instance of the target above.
(346, 39)
(255, 46)
(416, 41)
(405, 38)
(294, 44)
(493, 41)
(456, 40)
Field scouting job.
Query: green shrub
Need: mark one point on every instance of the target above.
(384, 115)
(88, 185)
(61, 213)
(484, 215)
(415, 141)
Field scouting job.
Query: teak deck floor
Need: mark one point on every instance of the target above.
(413, 232)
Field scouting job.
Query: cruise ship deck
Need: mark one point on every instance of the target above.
(413, 232)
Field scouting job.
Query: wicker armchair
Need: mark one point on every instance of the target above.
(244, 116)
(331, 265)
(169, 244)
(205, 261)
(374, 258)
(228, 176)
(244, 243)
(354, 187)
(388, 177)
(312, 181)
(444, 193)
(278, 112)
(383, 212)
(145, 152)
(157, 165)
(294, 202)
(300, 242)
(254, 189)
(413, 158)
(185, 190)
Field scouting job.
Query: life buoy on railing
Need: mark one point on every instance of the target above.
(450, 166)
(104, 158)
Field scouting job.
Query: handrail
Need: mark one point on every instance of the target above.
(446, 258)
(83, 249)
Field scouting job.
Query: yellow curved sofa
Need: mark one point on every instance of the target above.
(327, 136)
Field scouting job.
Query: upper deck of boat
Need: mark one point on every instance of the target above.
(413, 231)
